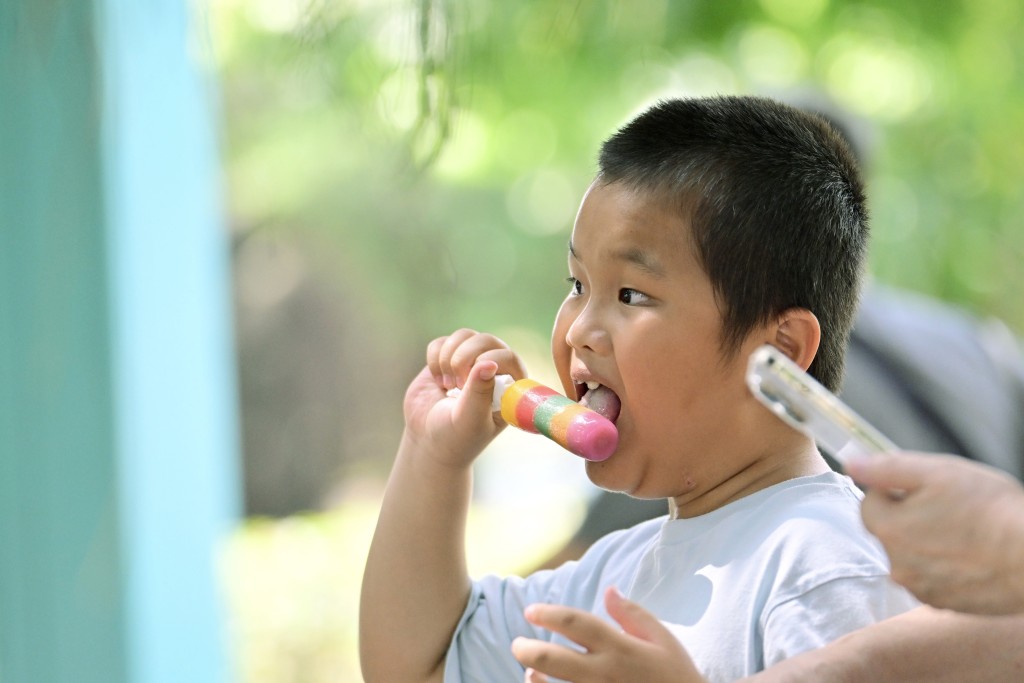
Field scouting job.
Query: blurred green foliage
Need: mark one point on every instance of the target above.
(332, 108)
(420, 162)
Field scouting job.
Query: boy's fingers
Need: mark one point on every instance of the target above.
(553, 660)
(473, 348)
(434, 359)
(447, 350)
(641, 624)
(534, 676)
(583, 628)
(634, 619)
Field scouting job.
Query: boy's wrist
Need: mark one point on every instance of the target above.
(422, 453)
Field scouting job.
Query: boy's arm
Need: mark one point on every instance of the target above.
(415, 584)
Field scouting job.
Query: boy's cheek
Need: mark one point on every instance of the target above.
(561, 353)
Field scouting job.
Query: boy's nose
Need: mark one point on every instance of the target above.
(587, 332)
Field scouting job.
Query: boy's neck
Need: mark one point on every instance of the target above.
(758, 475)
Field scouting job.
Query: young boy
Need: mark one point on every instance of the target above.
(713, 226)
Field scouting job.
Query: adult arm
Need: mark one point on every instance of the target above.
(925, 645)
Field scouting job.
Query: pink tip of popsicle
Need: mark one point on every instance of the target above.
(592, 437)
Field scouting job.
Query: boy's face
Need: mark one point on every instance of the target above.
(641, 319)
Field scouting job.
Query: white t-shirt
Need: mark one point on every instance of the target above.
(784, 570)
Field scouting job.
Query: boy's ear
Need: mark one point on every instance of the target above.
(798, 334)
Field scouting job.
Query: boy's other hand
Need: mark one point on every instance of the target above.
(455, 430)
(644, 650)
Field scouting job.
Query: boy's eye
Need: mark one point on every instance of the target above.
(575, 286)
(632, 297)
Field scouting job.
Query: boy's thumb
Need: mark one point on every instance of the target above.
(480, 386)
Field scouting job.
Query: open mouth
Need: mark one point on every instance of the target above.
(600, 399)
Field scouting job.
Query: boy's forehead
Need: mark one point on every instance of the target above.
(635, 227)
(645, 259)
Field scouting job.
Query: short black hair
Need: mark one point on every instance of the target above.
(775, 203)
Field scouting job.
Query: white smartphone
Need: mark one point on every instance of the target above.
(804, 404)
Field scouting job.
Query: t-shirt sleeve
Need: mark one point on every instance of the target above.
(480, 650)
(830, 610)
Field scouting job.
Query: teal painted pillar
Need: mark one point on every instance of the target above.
(118, 440)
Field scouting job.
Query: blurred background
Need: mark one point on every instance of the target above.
(396, 169)
(391, 170)
(399, 169)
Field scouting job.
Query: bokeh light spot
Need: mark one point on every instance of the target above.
(466, 151)
(795, 12)
(543, 202)
(772, 56)
(885, 81)
(524, 139)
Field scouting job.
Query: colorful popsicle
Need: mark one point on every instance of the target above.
(533, 407)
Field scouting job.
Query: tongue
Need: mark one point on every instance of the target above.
(602, 401)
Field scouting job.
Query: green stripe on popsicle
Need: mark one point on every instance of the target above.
(546, 412)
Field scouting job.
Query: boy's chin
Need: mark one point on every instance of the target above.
(617, 479)
(605, 475)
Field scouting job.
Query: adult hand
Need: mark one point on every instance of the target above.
(644, 650)
(955, 535)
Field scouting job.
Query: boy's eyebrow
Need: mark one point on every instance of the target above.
(634, 255)
(641, 259)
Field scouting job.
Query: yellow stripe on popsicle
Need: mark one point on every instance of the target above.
(558, 428)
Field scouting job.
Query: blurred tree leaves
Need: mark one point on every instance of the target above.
(427, 156)
(331, 106)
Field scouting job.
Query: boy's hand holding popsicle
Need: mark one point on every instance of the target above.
(586, 431)
(455, 430)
